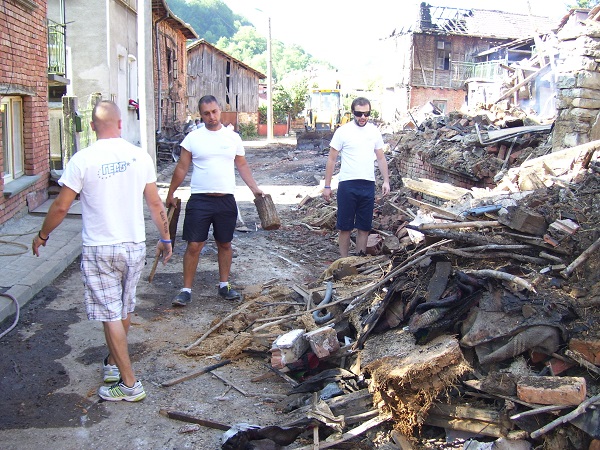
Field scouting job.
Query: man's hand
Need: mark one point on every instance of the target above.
(164, 249)
(327, 194)
(385, 189)
(35, 245)
(171, 201)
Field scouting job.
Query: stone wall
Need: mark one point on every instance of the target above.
(578, 87)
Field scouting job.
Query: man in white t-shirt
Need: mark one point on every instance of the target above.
(215, 152)
(112, 178)
(359, 143)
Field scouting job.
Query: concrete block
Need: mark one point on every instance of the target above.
(288, 348)
(551, 390)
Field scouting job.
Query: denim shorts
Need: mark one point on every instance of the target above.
(355, 201)
(204, 210)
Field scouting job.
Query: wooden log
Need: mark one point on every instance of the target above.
(269, 219)
(170, 216)
(177, 415)
(447, 226)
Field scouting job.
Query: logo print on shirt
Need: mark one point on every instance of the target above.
(108, 170)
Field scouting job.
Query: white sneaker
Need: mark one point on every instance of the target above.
(119, 391)
(111, 374)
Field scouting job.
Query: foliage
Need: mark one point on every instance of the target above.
(247, 130)
(216, 23)
(584, 4)
(210, 19)
(279, 115)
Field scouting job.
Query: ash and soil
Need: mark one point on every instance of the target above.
(51, 362)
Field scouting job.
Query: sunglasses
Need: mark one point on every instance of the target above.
(361, 113)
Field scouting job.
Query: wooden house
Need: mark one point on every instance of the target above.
(233, 83)
(432, 59)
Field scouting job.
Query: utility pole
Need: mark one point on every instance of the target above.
(269, 87)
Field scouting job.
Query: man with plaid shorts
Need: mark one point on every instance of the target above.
(112, 178)
(214, 151)
(359, 143)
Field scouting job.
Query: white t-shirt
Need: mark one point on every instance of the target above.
(110, 176)
(213, 155)
(357, 147)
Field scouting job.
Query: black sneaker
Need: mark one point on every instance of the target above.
(182, 299)
(228, 293)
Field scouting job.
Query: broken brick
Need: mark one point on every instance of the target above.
(589, 348)
(551, 390)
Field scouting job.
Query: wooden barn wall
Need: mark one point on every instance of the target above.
(207, 74)
(172, 106)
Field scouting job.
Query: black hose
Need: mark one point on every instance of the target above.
(319, 319)
(16, 316)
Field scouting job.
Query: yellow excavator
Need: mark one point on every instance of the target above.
(323, 115)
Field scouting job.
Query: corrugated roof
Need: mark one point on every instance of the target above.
(200, 42)
(161, 8)
(480, 23)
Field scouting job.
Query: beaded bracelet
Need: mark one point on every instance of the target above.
(40, 236)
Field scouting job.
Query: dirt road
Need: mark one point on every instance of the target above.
(50, 363)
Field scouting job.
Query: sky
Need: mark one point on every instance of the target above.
(345, 33)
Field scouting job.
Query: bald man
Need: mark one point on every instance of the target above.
(112, 178)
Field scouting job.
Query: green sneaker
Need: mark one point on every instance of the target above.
(119, 391)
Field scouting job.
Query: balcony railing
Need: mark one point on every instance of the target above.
(57, 50)
(489, 71)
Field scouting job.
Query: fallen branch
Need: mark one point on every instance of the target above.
(581, 259)
(229, 383)
(446, 226)
(465, 254)
(543, 409)
(486, 273)
(177, 415)
(579, 359)
(173, 381)
(566, 418)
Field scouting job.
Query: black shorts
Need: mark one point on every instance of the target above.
(204, 210)
(355, 200)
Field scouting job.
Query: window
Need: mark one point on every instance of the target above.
(442, 56)
(11, 111)
(440, 104)
(133, 75)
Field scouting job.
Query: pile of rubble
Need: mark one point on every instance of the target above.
(474, 318)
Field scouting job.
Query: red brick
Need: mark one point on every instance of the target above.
(552, 390)
(594, 445)
(588, 347)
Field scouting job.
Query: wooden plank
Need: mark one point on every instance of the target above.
(444, 191)
(432, 208)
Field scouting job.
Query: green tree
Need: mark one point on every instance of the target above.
(584, 4)
(210, 19)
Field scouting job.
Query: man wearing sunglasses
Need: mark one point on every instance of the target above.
(359, 143)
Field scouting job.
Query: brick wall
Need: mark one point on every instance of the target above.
(23, 73)
(455, 98)
(413, 164)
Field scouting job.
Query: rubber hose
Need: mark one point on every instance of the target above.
(4, 333)
(328, 296)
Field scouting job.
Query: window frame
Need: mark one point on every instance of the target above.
(12, 137)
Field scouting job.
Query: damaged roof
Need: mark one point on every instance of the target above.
(478, 22)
